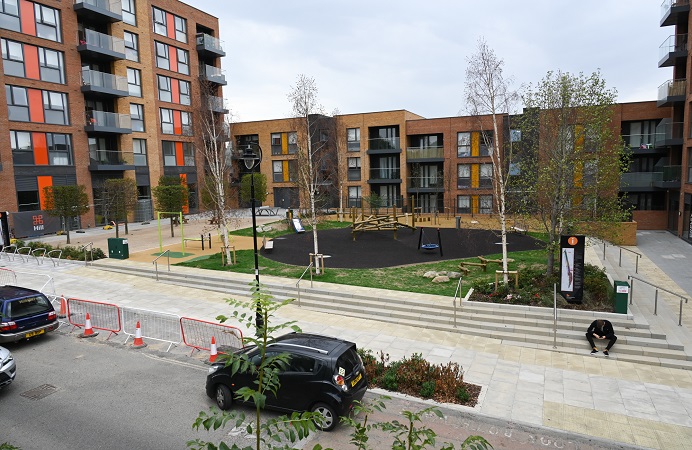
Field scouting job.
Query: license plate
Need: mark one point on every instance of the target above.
(34, 333)
(356, 380)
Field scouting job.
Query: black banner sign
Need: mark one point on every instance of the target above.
(34, 223)
(572, 268)
(4, 229)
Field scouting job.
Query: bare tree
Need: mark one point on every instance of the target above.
(489, 92)
(120, 198)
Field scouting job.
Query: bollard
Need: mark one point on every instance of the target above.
(201, 238)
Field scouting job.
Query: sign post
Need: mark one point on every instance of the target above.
(572, 268)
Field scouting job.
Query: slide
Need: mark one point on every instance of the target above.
(298, 226)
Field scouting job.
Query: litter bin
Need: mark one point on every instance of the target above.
(620, 297)
(118, 248)
(458, 222)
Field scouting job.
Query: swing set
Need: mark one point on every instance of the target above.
(429, 246)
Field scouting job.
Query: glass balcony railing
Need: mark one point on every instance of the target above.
(213, 74)
(209, 43)
(102, 41)
(384, 143)
(425, 153)
(114, 6)
(672, 88)
(385, 174)
(637, 180)
(671, 174)
(425, 183)
(668, 7)
(111, 157)
(642, 140)
(666, 131)
(102, 79)
(674, 43)
(217, 104)
(108, 119)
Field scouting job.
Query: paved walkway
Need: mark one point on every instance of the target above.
(639, 404)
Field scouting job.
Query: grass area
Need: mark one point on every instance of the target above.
(279, 228)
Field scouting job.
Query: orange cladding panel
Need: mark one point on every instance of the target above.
(179, 158)
(173, 57)
(31, 62)
(175, 90)
(170, 25)
(35, 105)
(40, 149)
(177, 123)
(43, 182)
(26, 12)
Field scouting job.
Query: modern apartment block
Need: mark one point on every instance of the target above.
(103, 89)
(676, 174)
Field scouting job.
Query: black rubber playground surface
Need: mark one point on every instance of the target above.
(374, 249)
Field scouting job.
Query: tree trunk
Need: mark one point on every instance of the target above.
(67, 228)
(172, 235)
(126, 230)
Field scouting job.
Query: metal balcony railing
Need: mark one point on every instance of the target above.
(384, 143)
(114, 6)
(385, 174)
(425, 153)
(103, 79)
(111, 157)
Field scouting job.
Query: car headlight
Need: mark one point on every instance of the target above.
(213, 369)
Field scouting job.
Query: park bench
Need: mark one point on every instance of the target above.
(463, 264)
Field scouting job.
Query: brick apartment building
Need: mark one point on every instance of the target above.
(102, 89)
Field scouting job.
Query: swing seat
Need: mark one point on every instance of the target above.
(430, 246)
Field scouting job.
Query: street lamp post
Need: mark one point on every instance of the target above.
(252, 157)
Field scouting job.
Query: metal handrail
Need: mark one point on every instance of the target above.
(301, 278)
(10, 256)
(636, 264)
(91, 248)
(37, 250)
(59, 250)
(457, 292)
(658, 288)
(156, 264)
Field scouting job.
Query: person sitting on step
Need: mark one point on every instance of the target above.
(601, 329)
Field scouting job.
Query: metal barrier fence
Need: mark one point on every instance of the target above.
(104, 316)
(8, 276)
(154, 325)
(198, 333)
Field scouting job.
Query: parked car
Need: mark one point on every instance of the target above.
(24, 313)
(324, 375)
(8, 368)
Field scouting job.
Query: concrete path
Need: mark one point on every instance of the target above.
(638, 404)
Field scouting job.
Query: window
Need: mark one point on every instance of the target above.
(160, 21)
(184, 88)
(131, 46)
(165, 92)
(301, 364)
(276, 143)
(55, 108)
(180, 29)
(354, 196)
(463, 204)
(353, 139)
(28, 200)
(13, 58)
(353, 169)
(463, 176)
(51, 64)
(22, 149)
(59, 149)
(134, 82)
(186, 120)
(485, 204)
(515, 135)
(486, 172)
(129, 16)
(486, 143)
(183, 61)
(278, 171)
(188, 154)
(17, 103)
(167, 121)
(292, 143)
(463, 145)
(137, 116)
(168, 149)
(139, 148)
(9, 15)
(162, 59)
(47, 22)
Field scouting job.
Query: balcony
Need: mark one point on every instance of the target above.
(668, 133)
(110, 160)
(217, 105)
(638, 181)
(103, 84)
(209, 46)
(672, 49)
(672, 91)
(212, 74)
(422, 185)
(385, 176)
(102, 11)
(673, 10)
(95, 45)
(670, 178)
(429, 154)
(107, 122)
(380, 146)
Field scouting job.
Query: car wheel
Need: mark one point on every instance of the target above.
(329, 417)
(224, 397)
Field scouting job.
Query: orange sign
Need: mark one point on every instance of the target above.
(572, 241)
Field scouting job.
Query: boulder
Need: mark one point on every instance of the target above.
(454, 275)
(441, 279)
(430, 274)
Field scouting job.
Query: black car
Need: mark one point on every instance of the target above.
(324, 375)
(24, 313)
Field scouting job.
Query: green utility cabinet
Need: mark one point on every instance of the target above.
(620, 296)
(118, 248)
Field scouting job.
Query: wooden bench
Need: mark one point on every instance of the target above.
(481, 264)
(267, 244)
(494, 261)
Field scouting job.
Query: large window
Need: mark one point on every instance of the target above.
(165, 90)
(180, 29)
(58, 149)
(137, 116)
(51, 65)
(17, 103)
(134, 82)
(186, 121)
(284, 170)
(170, 153)
(47, 22)
(55, 108)
(168, 149)
(463, 145)
(160, 21)
(184, 89)
(131, 46)
(463, 204)
(354, 197)
(129, 12)
(486, 172)
(22, 148)
(139, 148)
(167, 121)
(13, 58)
(353, 139)
(463, 176)
(9, 15)
(485, 204)
(641, 134)
(353, 169)
(183, 61)
(162, 58)
(486, 143)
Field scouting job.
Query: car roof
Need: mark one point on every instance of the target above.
(320, 343)
(9, 292)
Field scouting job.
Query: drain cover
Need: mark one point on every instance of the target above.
(40, 392)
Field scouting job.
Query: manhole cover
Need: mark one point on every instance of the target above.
(40, 392)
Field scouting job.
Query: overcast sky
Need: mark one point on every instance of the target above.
(380, 55)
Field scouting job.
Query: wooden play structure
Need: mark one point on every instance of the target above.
(483, 264)
(379, 222)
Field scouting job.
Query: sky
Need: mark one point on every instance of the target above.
(381, 55)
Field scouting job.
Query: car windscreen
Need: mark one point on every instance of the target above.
(27, 307)
(348, 362)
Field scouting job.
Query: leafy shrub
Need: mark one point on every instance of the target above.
(462, 394)
(68, 252)
(427, 389)
(389, 380)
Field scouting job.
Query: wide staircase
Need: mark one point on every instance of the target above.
(513, 325)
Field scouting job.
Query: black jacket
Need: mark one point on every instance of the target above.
(607, 330)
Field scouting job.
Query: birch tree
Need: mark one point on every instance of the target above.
(488, 92)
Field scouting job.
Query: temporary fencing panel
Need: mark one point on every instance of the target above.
(198, 333)
(104, 316)
(154, 325)
(7, 276)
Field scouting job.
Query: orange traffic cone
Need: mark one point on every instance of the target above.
(139, 342)
(214, 353)
(63, 308)
(88, 331)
